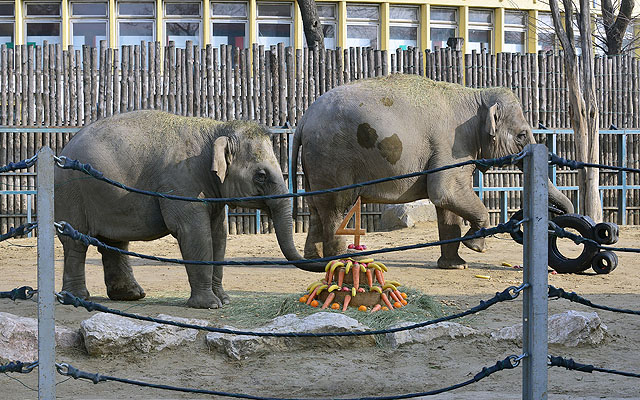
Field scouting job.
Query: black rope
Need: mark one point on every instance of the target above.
(19, 231)
(21, 293)
(568, 363)
(577, 239)
(19, 367)
(555, 292)
(68, 370)
(19, 165)
(64, 228)
(573, 164)
(509, 293)
(76, 165)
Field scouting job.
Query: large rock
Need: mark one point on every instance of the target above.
(19, 338)
(242, 346)
(571, 328)
(112, 334)
(406, 215)
(428, 333)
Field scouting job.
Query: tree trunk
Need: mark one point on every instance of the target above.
(311, 22)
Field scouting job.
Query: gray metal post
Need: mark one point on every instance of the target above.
(46, 277)
(534, 309)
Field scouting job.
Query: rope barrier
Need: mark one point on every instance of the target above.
(65, 369)
(66, 163)
(19, 231)
(509, 293)
(574, 297)
(21, 293)
(64, 228)
(577, 239)
(568, 363)
(19, 367)
(19, 165)
(573, 164)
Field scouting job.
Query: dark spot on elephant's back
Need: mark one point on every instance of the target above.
(367, 136)
(386, 101)
(391, 148)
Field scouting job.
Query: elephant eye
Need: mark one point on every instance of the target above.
(522, 135)
(260, 177)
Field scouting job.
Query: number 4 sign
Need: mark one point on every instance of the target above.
(357, 231)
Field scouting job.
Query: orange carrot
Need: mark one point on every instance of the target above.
(386, 301)
(370, 277)
(379, 277)
(394, 296)
(312, 295)
(340, 276)
(397, 292)
(356, 276)
(347, 299)
(328, 300)
(376, 308)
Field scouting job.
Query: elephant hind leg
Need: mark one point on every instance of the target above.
(449, 227)
(73, 278)
(118, 275)
(313, 244)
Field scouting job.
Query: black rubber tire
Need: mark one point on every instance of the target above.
(565, 265)
(606, 233)
(518, 236)
(604, 262)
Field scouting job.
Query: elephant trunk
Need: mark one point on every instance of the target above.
(559, 200)
(280, 210)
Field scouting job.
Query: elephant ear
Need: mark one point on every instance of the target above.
(492, 119)
(221, 157)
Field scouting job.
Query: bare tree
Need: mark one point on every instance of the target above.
(610, 36)
(583, 108)
(311, 22)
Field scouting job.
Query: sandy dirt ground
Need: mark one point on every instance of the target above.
(345, 373)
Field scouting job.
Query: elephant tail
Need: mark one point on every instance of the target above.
(295, 148)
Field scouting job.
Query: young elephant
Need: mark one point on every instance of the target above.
(152, 150)
(398, 124)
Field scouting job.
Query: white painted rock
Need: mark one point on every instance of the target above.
(112, 334)
(406, 215)
(428, 333)
(242, 346)
(19, 338)
(571, 329)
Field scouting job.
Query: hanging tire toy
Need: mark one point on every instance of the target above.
(565, 265)
(604, 262)
(606, 233)
(518, 236)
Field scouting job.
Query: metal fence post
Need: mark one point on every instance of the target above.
(46, 277)
(534, 308)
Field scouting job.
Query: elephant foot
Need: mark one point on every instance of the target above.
(222, 295)
(477, 244)
(125, 292)
(451, 263)
(204, 299)
(313, 251)
(80, 292)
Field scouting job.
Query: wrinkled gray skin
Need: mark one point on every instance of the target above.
(399, 124)
(165, 153)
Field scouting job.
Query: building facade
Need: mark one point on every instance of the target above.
(493, 25)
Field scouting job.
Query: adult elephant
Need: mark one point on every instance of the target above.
(161, 152)
(399, 124)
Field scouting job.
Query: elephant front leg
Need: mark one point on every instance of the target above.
(219, 245)
(449, 228)
(73, 277)
(330, 221)
(313, 244)
(118, 275)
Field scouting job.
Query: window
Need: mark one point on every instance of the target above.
(480, 30)
(275, 23)
(546, 33)
(327, 15)
(515, 31)
(6, 24)
(182, 23)
(42, 22)
(444, 25)
(136, 22)
(89, 22)
(363, 26)
(403, 27)
(229, 24)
